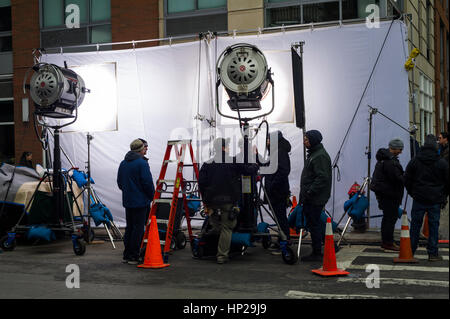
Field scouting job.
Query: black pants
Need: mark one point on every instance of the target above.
(390, 217)
(134, 232)
(279, 208)
(314, 225)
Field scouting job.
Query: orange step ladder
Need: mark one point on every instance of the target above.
(180, 147)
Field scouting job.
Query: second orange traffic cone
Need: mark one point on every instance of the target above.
(153, 257)
(329, 267)
(405, 255)
(425, 229)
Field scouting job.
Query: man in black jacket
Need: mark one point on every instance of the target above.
(277, 184)
(387, 183)
(220, 189)
(426, 180)
(315, 189)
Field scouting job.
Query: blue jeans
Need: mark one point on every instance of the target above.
(417, 213)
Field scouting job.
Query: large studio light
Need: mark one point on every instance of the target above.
(56, 91)
(242, 69)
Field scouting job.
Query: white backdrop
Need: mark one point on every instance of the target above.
(160, 90)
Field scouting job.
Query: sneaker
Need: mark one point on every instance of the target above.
(313, 257)
(435, 258)
(124, 261)
(133, 262)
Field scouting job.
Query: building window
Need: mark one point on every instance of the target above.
(426, 106)
(5, 26)
(428, 36)
(6, 121)
(184, 17)
(95, 22)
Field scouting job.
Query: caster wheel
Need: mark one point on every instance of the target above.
(79, 247)
(91, 236)
(289, 256)
(180, 240)
(8, 244)
(266, 242)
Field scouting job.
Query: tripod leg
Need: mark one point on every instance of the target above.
(299, 243)
(110, 237)
(343, 232)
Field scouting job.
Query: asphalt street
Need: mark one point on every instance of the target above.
(43, 271)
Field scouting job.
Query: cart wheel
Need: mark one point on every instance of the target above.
(91, 236)
(289, 257)
(7, 244)
(266, 242)
(79, 247)
(180, 239)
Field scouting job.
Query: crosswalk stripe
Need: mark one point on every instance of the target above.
(400, 268)
(370, 254)
(310, 295)
(400, 281)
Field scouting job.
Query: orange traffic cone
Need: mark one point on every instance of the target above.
(329, 267)
(292, 231)
(153, 256)
(425, 230)
(405, 255)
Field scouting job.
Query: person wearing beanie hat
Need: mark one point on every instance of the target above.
(135, 181)
(315, 189)
(388, 185)
(426, 180)
(396, 144)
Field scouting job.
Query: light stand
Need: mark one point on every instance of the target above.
(89, 138)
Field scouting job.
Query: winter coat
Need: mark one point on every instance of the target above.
(387, 179)
(443, 152)
(315, 183)
(219, 181)
(426, 177)
(277, 184)
(135, 180)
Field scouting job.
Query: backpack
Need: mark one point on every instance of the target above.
(376, 182)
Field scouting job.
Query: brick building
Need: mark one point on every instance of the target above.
(29, 24)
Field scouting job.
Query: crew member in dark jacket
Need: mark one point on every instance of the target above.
(277, 184)
(26, 159)
(443, 145)
(220, 189)
(426, 180)
(136, 183)
(315, 189)
(388, 185)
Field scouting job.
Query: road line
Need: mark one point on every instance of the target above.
(370, 254)
(400, 281)
(400, 268)
(309, 295)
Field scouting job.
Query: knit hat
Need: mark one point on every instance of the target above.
(314, 137)
(396, 144)
(430, 142)
(137, 145)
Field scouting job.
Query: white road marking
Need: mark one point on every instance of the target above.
(400, 281)
(309, 295)
(370, 254)
(401, 267)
